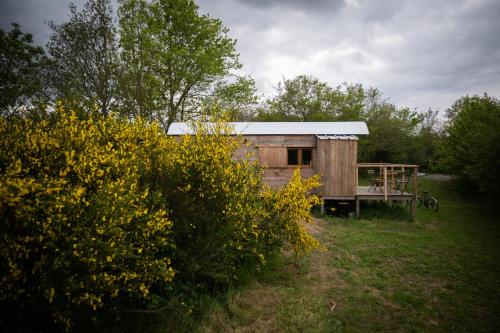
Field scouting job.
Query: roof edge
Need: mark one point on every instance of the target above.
(284, 128)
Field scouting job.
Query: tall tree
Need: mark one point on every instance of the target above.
(84, 57)
(306, 98)
(139, 87)
(177, 55)
(427, 141)
(392, 131)
(21, 64)
(303, 98)
(471, 147)
(237, 97)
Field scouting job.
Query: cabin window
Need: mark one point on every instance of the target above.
(299, 156)
(293, 156)
(306, 156)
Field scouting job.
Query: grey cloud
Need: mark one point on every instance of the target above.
(303, 5)
(380, 11)
(33, 15)
(419, 53)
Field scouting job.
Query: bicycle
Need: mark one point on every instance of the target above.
(427, 201)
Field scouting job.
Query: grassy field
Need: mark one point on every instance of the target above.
(381, 273)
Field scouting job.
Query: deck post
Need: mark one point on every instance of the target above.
(322, 207)
(415, 172)
(357, 208)
(413, 209)
(413, 203)
(385, 183)
(392, 178)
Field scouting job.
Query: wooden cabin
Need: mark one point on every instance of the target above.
(325, 148)
(329, 149)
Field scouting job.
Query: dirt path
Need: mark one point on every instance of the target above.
(267, 307)
(438, 177)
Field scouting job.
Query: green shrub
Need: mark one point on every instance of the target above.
(103, 215)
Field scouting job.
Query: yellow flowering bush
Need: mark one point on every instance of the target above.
(80, 227)
(289, 209)
(224, 217)
(101, 215)
(215, 204)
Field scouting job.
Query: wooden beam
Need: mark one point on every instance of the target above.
(413, 209)
(357, 177)
(385, 183)
(415, 172)
(375, 165)
(357, 208)
(413, 203)
(392, 178)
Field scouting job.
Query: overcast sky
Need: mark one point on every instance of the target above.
(419, 53)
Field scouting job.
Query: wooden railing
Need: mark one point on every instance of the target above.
(384, 169)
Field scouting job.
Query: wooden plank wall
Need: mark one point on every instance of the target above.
(277, 177)
(334, 160)
(271, 150)
(282, 140)
(242, 153)
(322, 153)
(272, 156)
(337, 166)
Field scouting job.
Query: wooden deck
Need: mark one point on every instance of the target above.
(389, 177)
(388, 173)
(364, 193)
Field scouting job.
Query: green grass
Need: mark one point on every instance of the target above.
(381, 273)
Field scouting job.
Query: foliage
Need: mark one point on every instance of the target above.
(81, 228)
(99, 213)
(138, 86)
(303, 98)
(290, 207)
(471, 147)
(175, 55)
(20, 67)
(215, 206)
(236, 97)
(392, 131)
(306, 98)
(83, 54)
(426, 144)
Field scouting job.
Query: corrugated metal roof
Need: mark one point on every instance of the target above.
(286, 128)
(337, 137)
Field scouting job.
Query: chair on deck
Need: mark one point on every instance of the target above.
(375, 180)
(402, 182)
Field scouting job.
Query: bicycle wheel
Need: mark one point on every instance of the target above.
(432, 204)
(419, 201)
